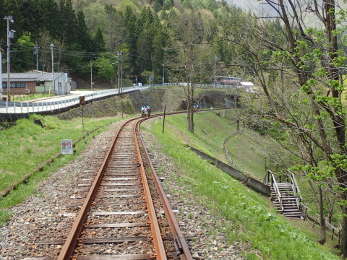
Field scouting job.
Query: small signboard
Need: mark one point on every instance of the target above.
(82, 100)
(66, 146)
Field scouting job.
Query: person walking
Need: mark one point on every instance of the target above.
(143, 111)
(149, 110)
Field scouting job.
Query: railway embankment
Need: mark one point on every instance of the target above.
(245, 217)
(220, 217)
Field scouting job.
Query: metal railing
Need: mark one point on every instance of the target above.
(271, 180)
(296, 190)
(9, 107)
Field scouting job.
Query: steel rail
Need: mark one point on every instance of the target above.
(157, 239)
(181, 244)
(69, 246)
(71, 241)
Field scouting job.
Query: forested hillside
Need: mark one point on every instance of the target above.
(145, 40)
(300, 68)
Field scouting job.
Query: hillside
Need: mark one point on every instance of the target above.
(267, 235)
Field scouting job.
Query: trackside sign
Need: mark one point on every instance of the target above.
(66, 146)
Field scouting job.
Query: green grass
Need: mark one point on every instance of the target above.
(248, 149)
(31, 96)
(26, 145)
(255, 224)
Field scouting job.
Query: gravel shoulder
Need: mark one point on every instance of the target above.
(43, 216)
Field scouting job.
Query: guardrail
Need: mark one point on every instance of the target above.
(7, 107)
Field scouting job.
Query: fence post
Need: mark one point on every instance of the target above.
(21, 107)
(163, 129)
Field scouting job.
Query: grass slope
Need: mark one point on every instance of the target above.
(26, 145)
(269, 235)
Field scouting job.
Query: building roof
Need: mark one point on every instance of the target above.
(32, 76)
(247, 84)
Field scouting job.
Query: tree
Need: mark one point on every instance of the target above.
(310, 107)
(23, 53)
(105, 69)
(98, 41)
(190, 32)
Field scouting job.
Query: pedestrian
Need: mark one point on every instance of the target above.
(149, 110)
(143, 111)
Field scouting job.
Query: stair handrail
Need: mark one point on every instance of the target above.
(276, 188)
(267, 178)
(296, 186)
(297, 192)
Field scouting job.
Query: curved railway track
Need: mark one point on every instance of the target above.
(125, 214)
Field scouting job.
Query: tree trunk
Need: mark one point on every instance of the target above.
(323, 236)
(191, 121)
(343, 238)
(190, 112)
(343, 242)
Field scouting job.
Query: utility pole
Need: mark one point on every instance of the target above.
(214, 71)
(120, 71)
(36, 51)
(52, 57)
(10, 35)
(91, 75)
(163, 74)
(1, 72)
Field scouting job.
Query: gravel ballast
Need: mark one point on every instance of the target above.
(41, 223)
(46, 216)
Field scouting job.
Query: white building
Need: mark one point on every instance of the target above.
(37, 82)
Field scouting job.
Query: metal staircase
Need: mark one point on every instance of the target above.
(285, 194)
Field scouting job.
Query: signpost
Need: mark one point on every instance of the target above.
(163, 129)
(82, 103)
(0, 72)
(66, 146)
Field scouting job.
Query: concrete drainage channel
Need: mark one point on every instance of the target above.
(250, 182)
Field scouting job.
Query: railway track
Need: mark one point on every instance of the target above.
(125, 214)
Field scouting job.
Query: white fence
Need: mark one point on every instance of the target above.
(53, 105)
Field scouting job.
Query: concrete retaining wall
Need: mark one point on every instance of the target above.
(250, 182)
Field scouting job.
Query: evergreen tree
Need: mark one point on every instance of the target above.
(130, 36)
(98, 41)
(159, 45)
(22, 57)
(83, 37)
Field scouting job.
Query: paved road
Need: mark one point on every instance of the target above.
(59, 102)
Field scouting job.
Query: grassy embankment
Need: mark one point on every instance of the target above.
(26, 145)
(269, 235)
